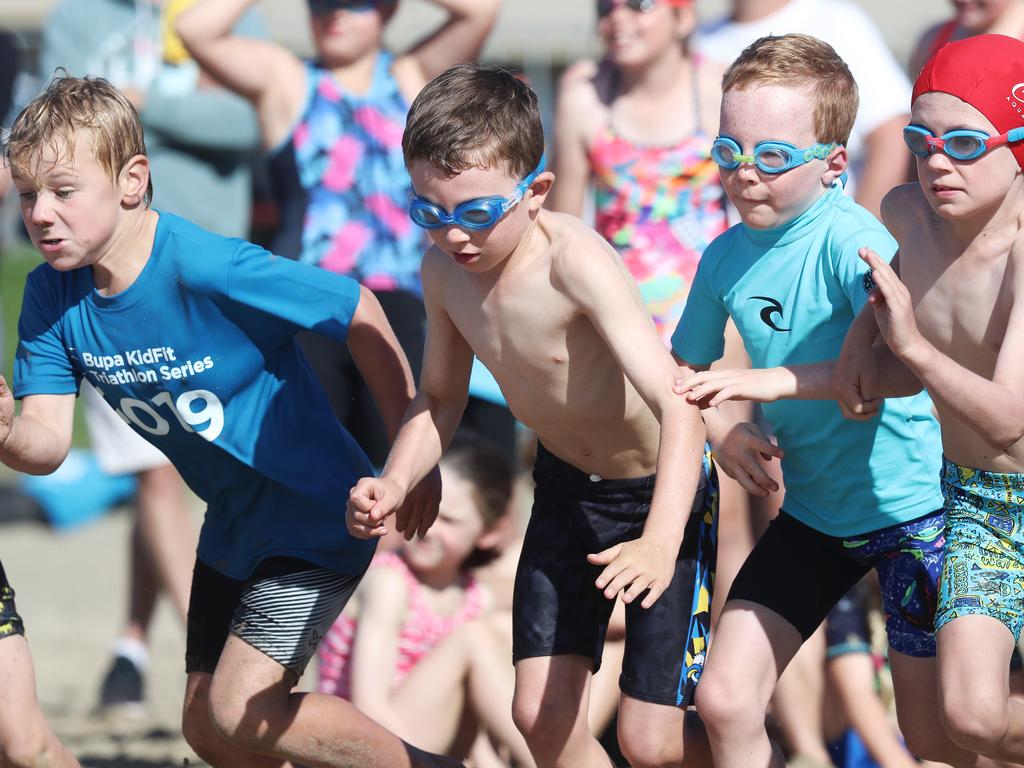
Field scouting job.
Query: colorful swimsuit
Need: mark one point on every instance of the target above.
(660, 206)
(342, 186)
(421, 632)
(983, 571)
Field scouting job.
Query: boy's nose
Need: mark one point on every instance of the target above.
(455, 235)
(42, 213)
(747, 172)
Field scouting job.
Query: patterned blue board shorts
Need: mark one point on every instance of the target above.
(983, 572)
(801, 573)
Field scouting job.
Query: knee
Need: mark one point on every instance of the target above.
(647, 750)
(199, 733)
(544, 726)
(27, 750)
(976, 727)
(724, 702)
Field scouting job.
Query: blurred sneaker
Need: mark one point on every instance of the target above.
(122, 687)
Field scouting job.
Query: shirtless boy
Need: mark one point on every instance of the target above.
(549, 308)
(953, 321)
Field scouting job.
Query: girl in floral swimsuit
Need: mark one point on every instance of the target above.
(638, 127)
(333, 127)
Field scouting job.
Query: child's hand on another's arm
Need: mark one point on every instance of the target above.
(712, 388)
(894, 310)
(370, 502)
(854, 378)
(634, 566)
(419, 511)
(738, 449)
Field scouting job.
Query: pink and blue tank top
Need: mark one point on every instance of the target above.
(342, 188)
(660, 206)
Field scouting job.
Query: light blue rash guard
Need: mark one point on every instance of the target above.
(198, 356)
(793, 292)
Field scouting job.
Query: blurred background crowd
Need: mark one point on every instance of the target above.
(628, 125)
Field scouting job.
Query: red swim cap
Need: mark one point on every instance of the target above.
(987, 72)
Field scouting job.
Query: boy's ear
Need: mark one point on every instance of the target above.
(838, 162)
(134, 181)
(539, 190)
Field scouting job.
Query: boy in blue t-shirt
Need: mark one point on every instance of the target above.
(189, 336)
(858, 495)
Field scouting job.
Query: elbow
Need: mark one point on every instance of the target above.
(191, 31)
(1007, 437)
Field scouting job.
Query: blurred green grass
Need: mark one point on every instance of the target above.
(16, 261)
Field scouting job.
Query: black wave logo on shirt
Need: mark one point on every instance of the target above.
(773, 308)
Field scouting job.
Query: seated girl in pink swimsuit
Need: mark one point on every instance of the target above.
(420, 618)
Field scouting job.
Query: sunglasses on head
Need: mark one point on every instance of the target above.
(605, 7)
(478, 213)
(963, 144)
(318, 7)
(769, 156)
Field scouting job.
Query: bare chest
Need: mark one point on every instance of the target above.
(962, 307)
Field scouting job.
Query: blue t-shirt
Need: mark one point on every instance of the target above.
(198, 356)
(793, 292)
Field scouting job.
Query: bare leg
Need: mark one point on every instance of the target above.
(26, 740)
(166, 533)
(550, 706)
(206, 741)
(974, 695)
(604, 688)
(253, 708)
(752, 648)
(470, 667)
(659, 736)
(797, 701)
(851, 678)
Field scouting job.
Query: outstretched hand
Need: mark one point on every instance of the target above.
(370, 502)
(635, 566)
(894, 310)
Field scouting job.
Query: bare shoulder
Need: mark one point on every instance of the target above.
(434, 271)
(903, 208)
(579, 75)
(579, 99)
(574, 245)
(382, 582)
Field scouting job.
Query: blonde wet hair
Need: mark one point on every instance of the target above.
(802, 61)
(69, 108)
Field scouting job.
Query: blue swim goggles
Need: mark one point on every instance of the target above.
(963, 144)
(478, 213)
(768, 156)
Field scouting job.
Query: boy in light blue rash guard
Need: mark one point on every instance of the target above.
(190, 337)
(858, 495)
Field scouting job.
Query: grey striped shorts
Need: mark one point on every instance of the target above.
(284, 609)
